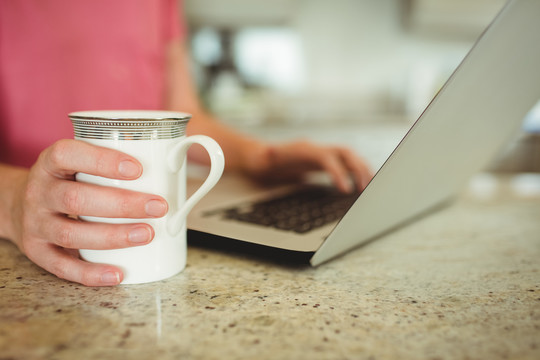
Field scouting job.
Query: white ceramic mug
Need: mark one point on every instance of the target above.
(158, 140)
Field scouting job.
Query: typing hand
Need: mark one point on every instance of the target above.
(294, 160)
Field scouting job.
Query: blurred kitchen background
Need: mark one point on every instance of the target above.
(285, 69)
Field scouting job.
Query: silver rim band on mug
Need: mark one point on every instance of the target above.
(131, 129)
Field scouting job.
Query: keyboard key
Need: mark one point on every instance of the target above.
(300, 211)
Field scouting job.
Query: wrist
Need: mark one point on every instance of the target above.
(12, 183)
(256, 158)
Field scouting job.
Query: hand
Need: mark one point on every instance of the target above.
(46, 229)
(293, 160)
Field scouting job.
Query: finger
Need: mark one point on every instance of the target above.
(62, 263)
(305, 155)
(75, 234)
(333, 165)
(67, 157)
(358, 167)
(70, 197)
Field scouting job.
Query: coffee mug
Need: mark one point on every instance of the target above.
(158, 140)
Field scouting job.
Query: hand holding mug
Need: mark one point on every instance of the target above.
(48, 194)
(127, 211)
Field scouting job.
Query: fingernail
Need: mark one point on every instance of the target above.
(139, 235)
(110, 278)
(156, 208)
(129, 168)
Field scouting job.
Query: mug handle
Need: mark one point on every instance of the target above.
(175, 161)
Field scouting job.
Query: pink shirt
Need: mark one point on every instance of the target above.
(59, 56)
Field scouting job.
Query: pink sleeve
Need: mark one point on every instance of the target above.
(176, 26)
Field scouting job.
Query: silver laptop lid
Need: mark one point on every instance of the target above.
(476, 112)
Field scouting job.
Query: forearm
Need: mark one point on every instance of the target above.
(242, 153)
(12, 180)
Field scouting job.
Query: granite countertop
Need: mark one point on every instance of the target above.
(463, 282)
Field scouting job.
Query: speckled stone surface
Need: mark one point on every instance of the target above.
(462, 283)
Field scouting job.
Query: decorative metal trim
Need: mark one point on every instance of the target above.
(135, 125)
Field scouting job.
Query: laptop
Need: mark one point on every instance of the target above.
(477, 111)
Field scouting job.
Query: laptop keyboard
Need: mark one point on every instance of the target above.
(300, 211)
